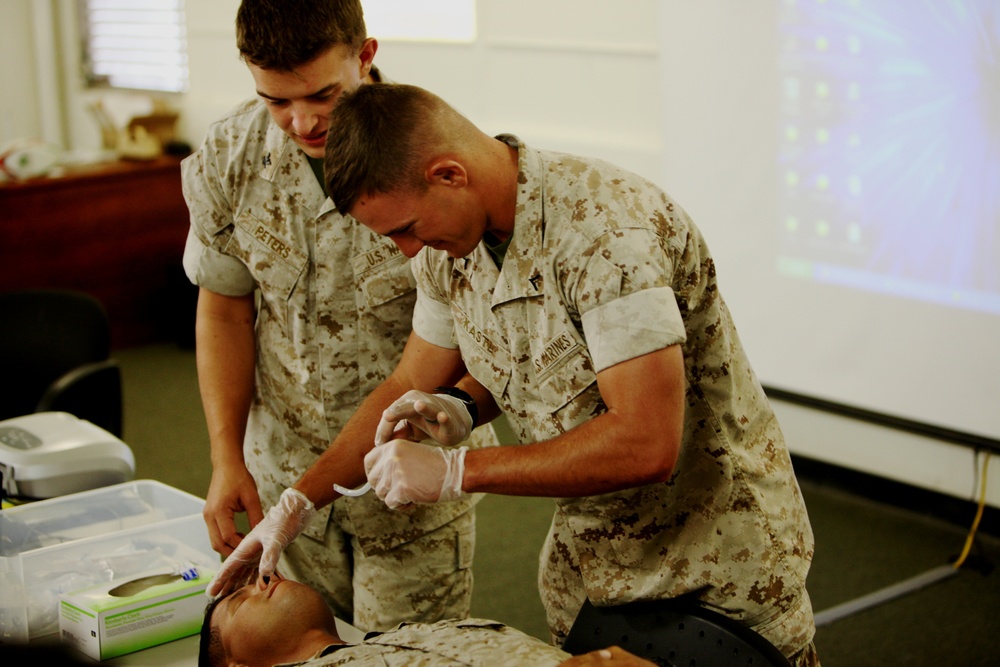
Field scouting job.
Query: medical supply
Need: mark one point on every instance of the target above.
(458, 407)
(48, 454)
(103, 536)
(404, 473)
(446, 418)
(118, 618)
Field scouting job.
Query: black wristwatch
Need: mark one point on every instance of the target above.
(467, 400)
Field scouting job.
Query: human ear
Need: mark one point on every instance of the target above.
(367, 55)
(447, 172)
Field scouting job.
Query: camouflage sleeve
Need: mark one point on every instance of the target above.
(627, 305)
(211, 223)
(209, 268)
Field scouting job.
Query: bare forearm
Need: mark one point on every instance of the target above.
(226, 356)
(635, 442)
(600, 456)
(343, 461)
(423, 366)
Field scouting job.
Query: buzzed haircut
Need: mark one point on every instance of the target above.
(210, 650)
(376, 142)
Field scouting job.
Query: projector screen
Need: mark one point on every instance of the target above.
(842, 158)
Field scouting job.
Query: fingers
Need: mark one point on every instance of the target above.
(376, 462)
(371, 458)
(255, 513)
(262, 547)
(401, 430)
(219, 511)
(232, 490)
(221, 531)
(386, 427)
(404, 473)
(269, 561)
(237, 568)
(380, 466)
(233, 574)
(428, 412)
(414, 409)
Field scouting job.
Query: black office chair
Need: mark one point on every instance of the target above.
(671, 633)
(55, 348)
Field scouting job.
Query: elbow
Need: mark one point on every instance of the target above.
(659, 473)
(659, 462)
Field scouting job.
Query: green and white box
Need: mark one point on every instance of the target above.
(122, 617)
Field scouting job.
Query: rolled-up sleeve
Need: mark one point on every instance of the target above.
(627, 304)
(207, 267)
(432, 321)
(205, 262)
(632, 326)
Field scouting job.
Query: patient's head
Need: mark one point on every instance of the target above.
(285, 622)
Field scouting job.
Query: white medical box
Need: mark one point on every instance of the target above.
(114, 618)
(89, 538)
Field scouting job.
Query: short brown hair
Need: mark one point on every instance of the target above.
(284, 34)
(379, 136)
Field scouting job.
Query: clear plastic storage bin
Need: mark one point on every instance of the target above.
(81, 540)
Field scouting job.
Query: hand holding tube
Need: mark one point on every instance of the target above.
(261, 548)
(438, 416)
(404, 472)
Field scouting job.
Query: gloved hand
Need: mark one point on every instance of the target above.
(404, 472)
(261, 548)
(439, 416)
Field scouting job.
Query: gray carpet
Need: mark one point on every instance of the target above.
(862, 545)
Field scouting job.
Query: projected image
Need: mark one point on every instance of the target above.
(889, 144)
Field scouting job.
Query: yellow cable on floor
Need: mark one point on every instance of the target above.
(979, 515)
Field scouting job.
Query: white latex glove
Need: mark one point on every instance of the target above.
(439, 416)
(261, 548)
(404, 472)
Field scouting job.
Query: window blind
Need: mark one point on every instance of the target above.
(139, 44)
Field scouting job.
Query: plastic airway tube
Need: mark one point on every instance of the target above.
(353, 493)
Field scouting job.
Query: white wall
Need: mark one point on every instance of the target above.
(576, 75)
(589, 84)
(889, 453)
(20, 104)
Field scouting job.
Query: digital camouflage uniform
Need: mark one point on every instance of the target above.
(334, 312)
(604, 267)
(471, 643)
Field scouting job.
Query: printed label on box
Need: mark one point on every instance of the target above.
(104, 625)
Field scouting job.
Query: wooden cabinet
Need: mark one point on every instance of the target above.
(114, 230)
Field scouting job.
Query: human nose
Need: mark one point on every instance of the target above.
(259, 584)
(263, 586)
(304, 119)
(409, 246)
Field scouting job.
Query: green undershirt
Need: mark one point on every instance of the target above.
(316, 164)
(497, 250)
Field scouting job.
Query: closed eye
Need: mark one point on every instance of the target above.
(399, 231)
(234, 601)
